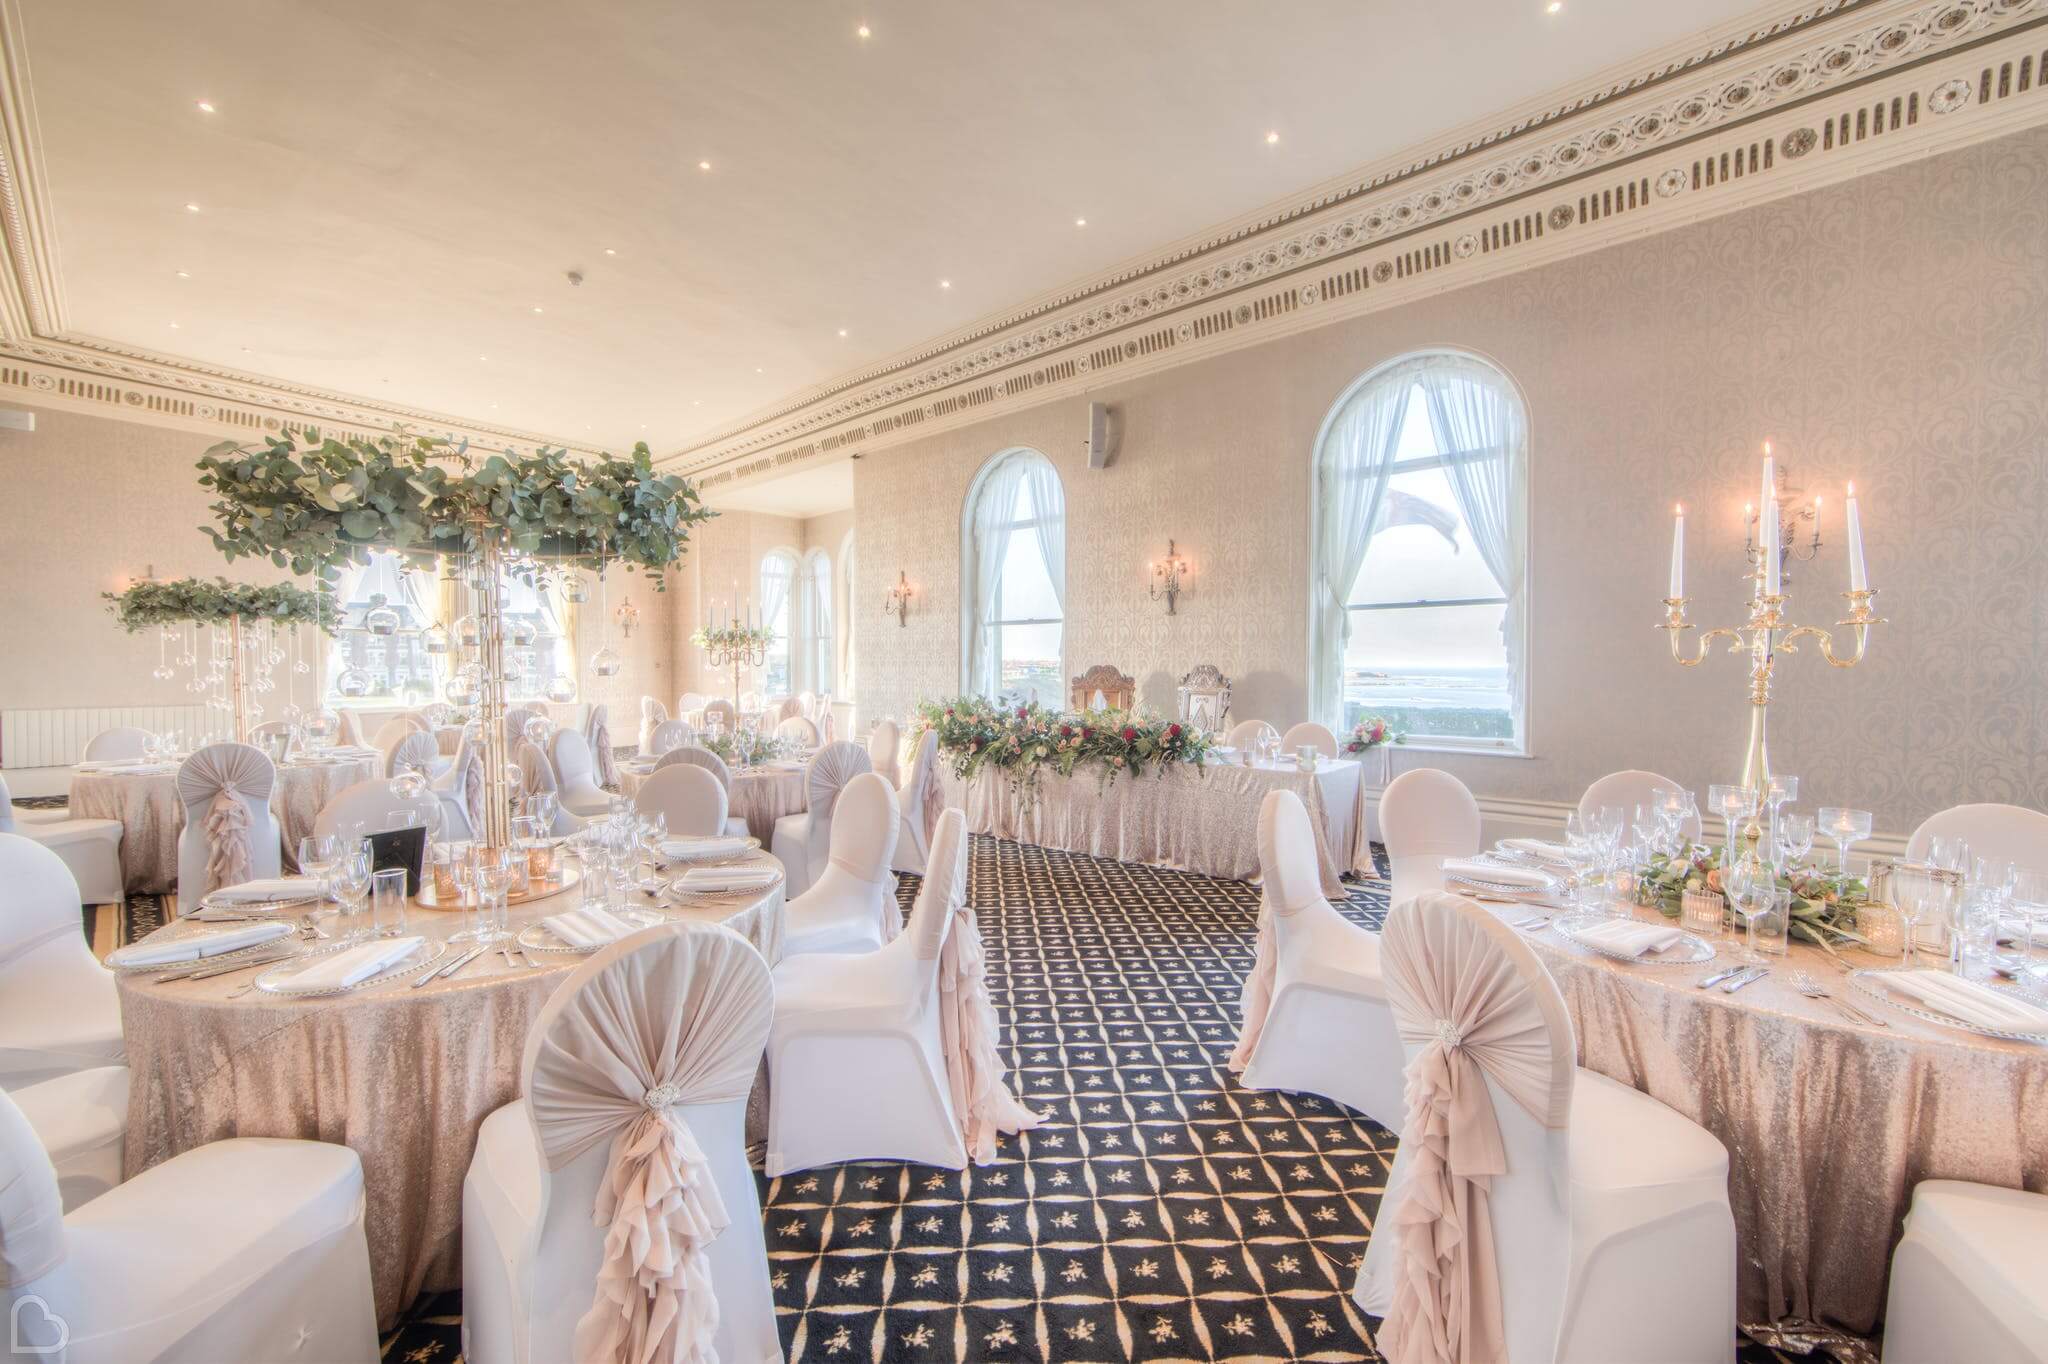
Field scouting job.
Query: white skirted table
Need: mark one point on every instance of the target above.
(1828, 1123)
(1199, 819)
(759, 795)
(145, 800)
(402, 1076)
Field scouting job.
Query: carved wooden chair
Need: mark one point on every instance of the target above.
(1118, 692)
(1204, 698)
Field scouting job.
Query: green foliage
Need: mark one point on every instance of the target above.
(1023, 740)
(1824, 906)
(316, 504)
(759, 748)
(213, 603)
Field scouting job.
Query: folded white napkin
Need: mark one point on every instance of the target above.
(2020, 929)
(1537, 847)
(162, 951)
(1968, 1000)
(339, 970)
(271, 888)
(1499, 873)
(591, 926)
(1631, 937)
(698, 848)
(727, 878)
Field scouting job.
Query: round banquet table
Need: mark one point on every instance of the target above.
(146, 802)
(402, 1076)
(759, 795)
(1829, 1123)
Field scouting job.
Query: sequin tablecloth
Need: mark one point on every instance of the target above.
(401, 1076)
(152, 817)
(1828, 1123)
(1199, 819)
(759, 795)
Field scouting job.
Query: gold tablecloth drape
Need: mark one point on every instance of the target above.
(401, 1076)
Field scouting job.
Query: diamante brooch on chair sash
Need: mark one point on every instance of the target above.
(1447, 1033)
(662, 1096)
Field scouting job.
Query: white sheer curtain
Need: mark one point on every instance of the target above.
(818, 640)
(1353, 459)
(1049, 505)
(1471, 411)
(778, 577)
(995, 507)
(843, 636)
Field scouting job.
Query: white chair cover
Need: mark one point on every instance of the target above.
(666, 737)
(1477, 1003)
(1625, 791)
(798, 730)
(395, 731)
(461, 787)
(59, 1010)
(576, 770)
(852, 906)
(31, 1209)
(784, 708)
(807, 705)
(448, 738)
(885, 751)
(687, 797)
(652, 713)
(692, 755)
(351, 735)
(597, 733)
(418, 752)
(119, 744)
(2002, 833)
(722, 710)
(803, 842)
(922, 800)
(1425, 816)
(673, 1015)
(1311, 733)
(226, 789)
(1248, 732)
(537, 777)
(515, 722)
(370, 807)
(1290, 879)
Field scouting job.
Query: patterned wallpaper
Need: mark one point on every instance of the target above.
(1892, 330)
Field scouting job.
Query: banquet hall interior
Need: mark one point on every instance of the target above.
(875, 680)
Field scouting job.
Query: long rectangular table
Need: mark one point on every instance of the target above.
(1200, 819)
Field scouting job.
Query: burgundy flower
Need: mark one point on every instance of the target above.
(1173, 731)
(1023, 712)
(1129, 734)
(1066, 731)
(1087, 733)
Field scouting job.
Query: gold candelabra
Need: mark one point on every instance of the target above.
(1766, 634)
(738, 646)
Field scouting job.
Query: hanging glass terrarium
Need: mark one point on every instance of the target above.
(435, 639)
(381, 620)
(520, 633)
(467, 633)
(561, 690)
(463, 687)
(605, 663)
(352, 683)
(575, 590)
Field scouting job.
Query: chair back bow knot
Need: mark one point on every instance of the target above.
(1448, 1033)
(661, 1097)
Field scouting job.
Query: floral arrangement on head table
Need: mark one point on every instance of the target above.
(1370, 733)
(1024, 739)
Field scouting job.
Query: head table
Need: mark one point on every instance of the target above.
(759, 795)
(403, 1076)
(145, 799)
(1829, 1123)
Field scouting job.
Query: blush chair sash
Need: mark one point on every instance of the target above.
(673, 1015)
(835, 765)
(213, 784)
(1472, 1004)
(416, 752)
(925, 788)
(597, 732)
(1290, 879)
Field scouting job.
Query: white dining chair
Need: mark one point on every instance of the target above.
(515, 723)
(885, 751)
(635, 1077)
(856, 1063)
(920, 799)
(696, 756)
(247, 1249)
(373, 807)
(2000, 833)
(1245, 733)
(597, 736)
(418, 753)
(806, 705)
(667, 737)
(122, 743)
(1968, 1278)
(688, 798)
(721, 712)
(577, 772)
(782, 708)
(798, 730)
(1309, 734)
(90, 848)
(59, 1010)
(230, 833)
(803, 841)
(690, 703)
(1316, 1018)
(652, 713)
(537, 778)
(1593, 1192)
(350, 735)
(1425, 816)
(81, 1120)
(1626, 790)
(460, 789)
(851, 907)
(395, 730)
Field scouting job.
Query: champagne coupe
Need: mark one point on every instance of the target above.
(1780, 792)
(1845, 827)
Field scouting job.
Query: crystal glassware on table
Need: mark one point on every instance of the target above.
(1733, 804)
(1846, 827)
(1795, 837)
(2027, 921)
(1779, 792)
(352, 889)
(1752, 887)
(318, 854)
(495, 870)
(387, 902)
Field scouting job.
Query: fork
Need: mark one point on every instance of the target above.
(1813, 989)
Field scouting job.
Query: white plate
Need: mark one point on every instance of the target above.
(677, 891)
(686, 856)
(239, 954)
(278, 979)
(1691, 951)
(1870, 982)
(538, 937)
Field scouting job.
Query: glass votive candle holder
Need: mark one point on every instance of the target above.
(441, 859)
(1700, 913)
(1882, 928)
(540, 862)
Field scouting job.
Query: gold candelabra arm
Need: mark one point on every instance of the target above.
(1676, 624)
(1859, 619)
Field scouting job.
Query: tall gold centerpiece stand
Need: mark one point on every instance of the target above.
(730, 647)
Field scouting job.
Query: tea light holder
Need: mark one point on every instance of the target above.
(1882, 928)
(1702, 913)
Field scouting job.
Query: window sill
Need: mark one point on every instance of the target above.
(1467, 750)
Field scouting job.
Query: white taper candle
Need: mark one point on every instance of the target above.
(1678, 552)
(1859, 577)
(1767, 525)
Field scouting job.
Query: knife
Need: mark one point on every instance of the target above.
(436, 969)
(1749, 977)
(228, 968)
(465, 959)
(1720, 976)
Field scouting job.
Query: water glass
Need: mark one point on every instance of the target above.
(2027, 920)
(387, 902)
(1975, 925)
(495, 869)
(1752, 892)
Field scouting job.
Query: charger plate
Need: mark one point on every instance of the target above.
(538, 937)
(239, 954)
(277, 980)
(1691, 950)
(1869, 981)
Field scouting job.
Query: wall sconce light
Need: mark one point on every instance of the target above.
(627, 616)
(897, 603)
(1169, 577)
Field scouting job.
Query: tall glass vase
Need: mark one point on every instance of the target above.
(487, 591)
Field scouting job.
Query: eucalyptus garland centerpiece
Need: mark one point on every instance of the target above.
(1023, 740)
(744, 747)
(200, 602)
(1824, 904)
(315, 504)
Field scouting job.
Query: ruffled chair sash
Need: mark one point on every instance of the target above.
(834, 766)
(416, 752)
(671, 1016)
(652, 713)
(351, 729)
(213, 785)
(1478, 1006)
(1255, 997)
(597, 732)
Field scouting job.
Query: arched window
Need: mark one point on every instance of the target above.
(778, 580)
(815, 649)
(1014, 579)
(844, 600)
(1417, 577)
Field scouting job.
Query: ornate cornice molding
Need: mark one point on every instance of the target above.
(1808, 55)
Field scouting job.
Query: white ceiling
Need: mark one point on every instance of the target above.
(388, 189)
(821, 486)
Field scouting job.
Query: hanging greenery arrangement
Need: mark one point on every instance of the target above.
(151, 603)
(314, 504)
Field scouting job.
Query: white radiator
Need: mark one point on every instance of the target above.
(57, 737)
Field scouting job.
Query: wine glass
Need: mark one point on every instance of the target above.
(541, 805)
(1779, 792)
(495, 870)
(1949, 853)
(318, 854)
(352, 888)
(1795, 837)
(2030, 919)
(1752, 889)
(1921, 899)
(1845, 827)
(1732, 803)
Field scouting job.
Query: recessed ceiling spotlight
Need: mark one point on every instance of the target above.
(1553, 7)
(174, 326)
(757, 369)
(184, 274)
(945, 284)
(536, 307)
(1080, 222)
(206, 106)
(704, 165)
(863, 32)
(485, 358)
(696, 402)
(842, 333)
(191, 208)
(1273, 139)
